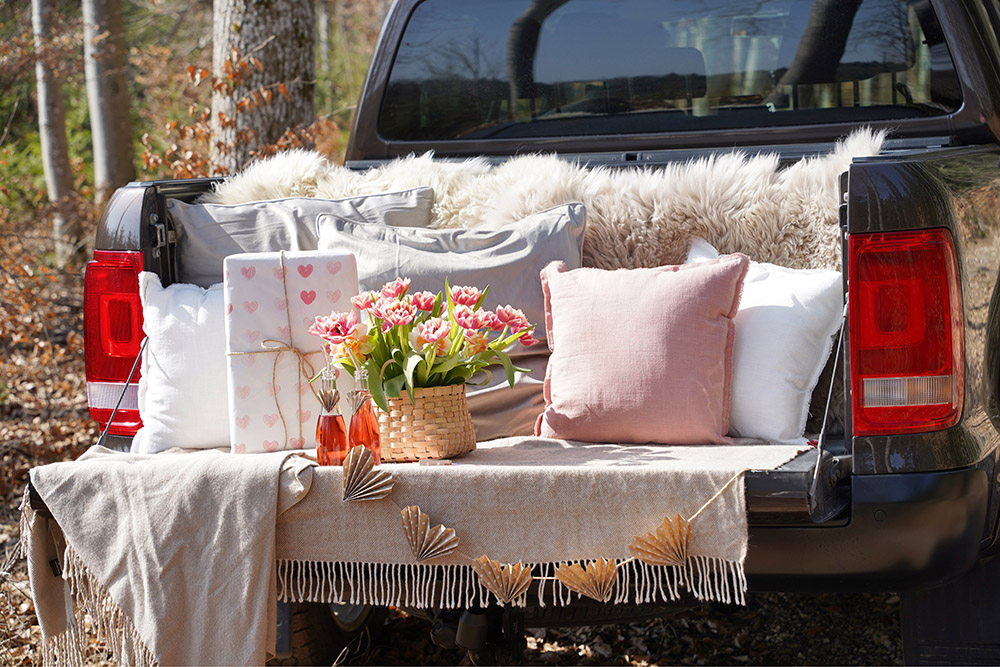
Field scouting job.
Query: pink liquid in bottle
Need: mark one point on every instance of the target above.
(331, 440)
(364, 427)
(331, 432)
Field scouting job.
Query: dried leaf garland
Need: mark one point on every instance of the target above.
(596, 581)
(668, 545)
(361, 480)
(507, 581)
(425, 541)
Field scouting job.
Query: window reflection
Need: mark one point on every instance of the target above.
(476, 69)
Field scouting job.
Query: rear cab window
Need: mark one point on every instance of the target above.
(473, 69)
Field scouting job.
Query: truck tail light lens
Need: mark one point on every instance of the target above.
(905, 331)
(112, 326)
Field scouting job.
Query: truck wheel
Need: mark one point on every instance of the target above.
(955, 623)
(326, 634)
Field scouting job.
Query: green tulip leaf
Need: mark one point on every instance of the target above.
(508, 367)
(394, 385)
(375, 385)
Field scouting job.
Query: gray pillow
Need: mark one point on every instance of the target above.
(508, 259)
(207, 233)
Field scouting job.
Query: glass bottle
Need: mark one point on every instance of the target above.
(364, 422)
(331, 434)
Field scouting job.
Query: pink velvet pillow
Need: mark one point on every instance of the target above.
(640, 355)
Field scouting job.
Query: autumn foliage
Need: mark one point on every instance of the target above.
(43, 407)
(189, 153)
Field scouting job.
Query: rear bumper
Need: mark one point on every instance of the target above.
(904, 531)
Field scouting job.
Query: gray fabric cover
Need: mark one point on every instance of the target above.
(207, 233)
(508, 259)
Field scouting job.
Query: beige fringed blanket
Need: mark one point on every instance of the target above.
(172, 555)
(536, 501)
(179, 557)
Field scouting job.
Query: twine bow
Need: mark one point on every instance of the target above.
(279, 347)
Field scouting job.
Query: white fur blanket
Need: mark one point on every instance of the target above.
(635, 217)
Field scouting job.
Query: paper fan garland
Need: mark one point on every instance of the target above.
(668, 545)
(425, 541)
(596, 581)
(507, 581)
(361, 480)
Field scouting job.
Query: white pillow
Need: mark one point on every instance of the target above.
(208, 233)
(784, 335)
(182, 390)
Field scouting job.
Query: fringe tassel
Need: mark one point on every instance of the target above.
(111, 625)
(27, 514)
(87, 597)
(66, 648)
(458, 587)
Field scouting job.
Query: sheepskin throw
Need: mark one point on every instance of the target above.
(636, 217)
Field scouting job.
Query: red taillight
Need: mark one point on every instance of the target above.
(906, 332)
(112, 324)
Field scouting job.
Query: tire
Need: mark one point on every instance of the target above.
(324, 634)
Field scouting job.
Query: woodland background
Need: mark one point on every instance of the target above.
(186, 111)
(46, 240)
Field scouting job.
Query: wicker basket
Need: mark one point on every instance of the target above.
(436, 426)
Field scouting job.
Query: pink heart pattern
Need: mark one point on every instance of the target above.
(253, 335)
(270, 445)
(305, 270)
(279, 303)
(243, 421)
(307, 296)
(333, 268)
(273, 389)
(283, 331)
(250, 359)
(248, 272)
(243, 391)
(334, 296)
(229, 309)
(303, 415)
(250, 306)
(240, 448)
(277, 272)
(271, 419)
(297, 443)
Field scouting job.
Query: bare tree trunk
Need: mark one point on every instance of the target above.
(822, 45)
(52, 132)
(323, 33)
(281, 35)
(107, 94)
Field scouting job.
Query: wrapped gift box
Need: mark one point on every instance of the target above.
(271, 299)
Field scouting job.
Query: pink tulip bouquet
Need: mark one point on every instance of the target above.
(421, 339)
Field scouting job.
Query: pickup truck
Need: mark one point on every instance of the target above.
(903, 495)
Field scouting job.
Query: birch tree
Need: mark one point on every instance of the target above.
(104, 65)
(263, 52)
(52, 130)
(323, 34)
